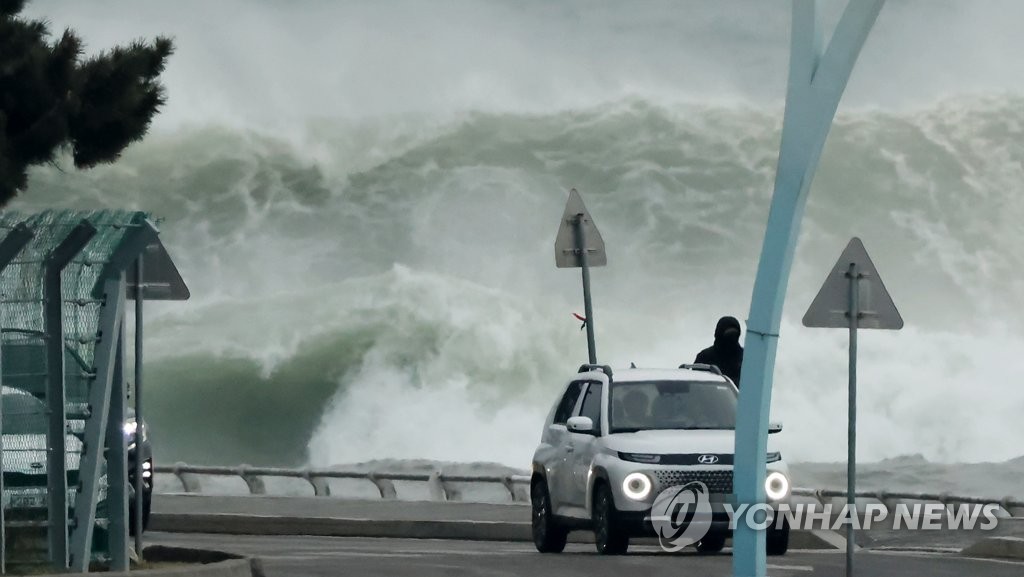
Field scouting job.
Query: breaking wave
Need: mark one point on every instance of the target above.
(384, 288)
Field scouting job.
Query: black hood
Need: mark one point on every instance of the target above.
(726, 323)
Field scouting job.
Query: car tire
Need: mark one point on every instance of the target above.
(777, 540)
(548, 535)
(711, 543)
(609, 537)
(147, 503)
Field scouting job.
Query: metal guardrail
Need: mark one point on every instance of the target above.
(439, 484)
(441, 489)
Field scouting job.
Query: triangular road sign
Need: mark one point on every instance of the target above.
(831, 307)
(565, 241)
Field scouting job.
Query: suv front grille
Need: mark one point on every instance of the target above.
(717, 481)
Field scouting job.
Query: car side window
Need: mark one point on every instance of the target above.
(568, 403)
(592, 405)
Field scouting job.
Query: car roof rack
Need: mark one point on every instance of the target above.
(703, 367)
(603, 368)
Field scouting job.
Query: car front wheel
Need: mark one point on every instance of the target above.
(548, 535)
(711, 543)
(609, 538)
(777, 540)
(147, 505)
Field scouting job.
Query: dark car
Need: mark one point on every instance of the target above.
(137, 436)
(24, 372)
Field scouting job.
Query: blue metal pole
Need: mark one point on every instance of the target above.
(117, 451)
(816, 83)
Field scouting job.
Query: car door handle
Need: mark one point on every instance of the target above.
(570, 449)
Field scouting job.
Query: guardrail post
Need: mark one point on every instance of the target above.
(438, 491)
(321, 487)
(189, 482)
(254, 482)
(886, 501)
(513, 487)
(1012, 507)
(523, 492)
(510, 487)
(385, 486)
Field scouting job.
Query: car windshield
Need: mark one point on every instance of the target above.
(638, 406)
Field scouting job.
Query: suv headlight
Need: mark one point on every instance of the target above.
(776, 486)
(636, 486)
(648, 458)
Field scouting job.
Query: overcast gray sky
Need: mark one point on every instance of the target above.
(260, 61)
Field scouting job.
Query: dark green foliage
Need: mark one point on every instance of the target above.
(51, 100)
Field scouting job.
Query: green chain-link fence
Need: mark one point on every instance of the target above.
(24, 350)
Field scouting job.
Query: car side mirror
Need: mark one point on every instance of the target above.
(774, 428)
(580, 424)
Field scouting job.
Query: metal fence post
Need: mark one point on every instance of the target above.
(12, 244)
(117, 451)
(107, 360)
(110, 377)
(56, 445)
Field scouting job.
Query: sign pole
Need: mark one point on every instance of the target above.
(841, 304)
(578, 244)
(588, 309)
(851, 458)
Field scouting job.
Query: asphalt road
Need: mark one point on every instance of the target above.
(380, 510)
(313, 556)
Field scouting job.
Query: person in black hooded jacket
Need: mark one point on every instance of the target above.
(726, 353)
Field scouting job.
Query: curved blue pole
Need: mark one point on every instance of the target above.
(816, 83)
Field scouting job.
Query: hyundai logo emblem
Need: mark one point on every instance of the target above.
(707, 459)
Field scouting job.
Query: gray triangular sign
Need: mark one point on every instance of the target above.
(831, 307)
(566, 255)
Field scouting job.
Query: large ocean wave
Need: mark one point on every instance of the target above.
(384, 288)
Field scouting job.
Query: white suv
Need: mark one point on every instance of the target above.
(610, 446)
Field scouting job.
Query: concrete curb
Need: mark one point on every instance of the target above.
(996, 548)
(236, 524)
